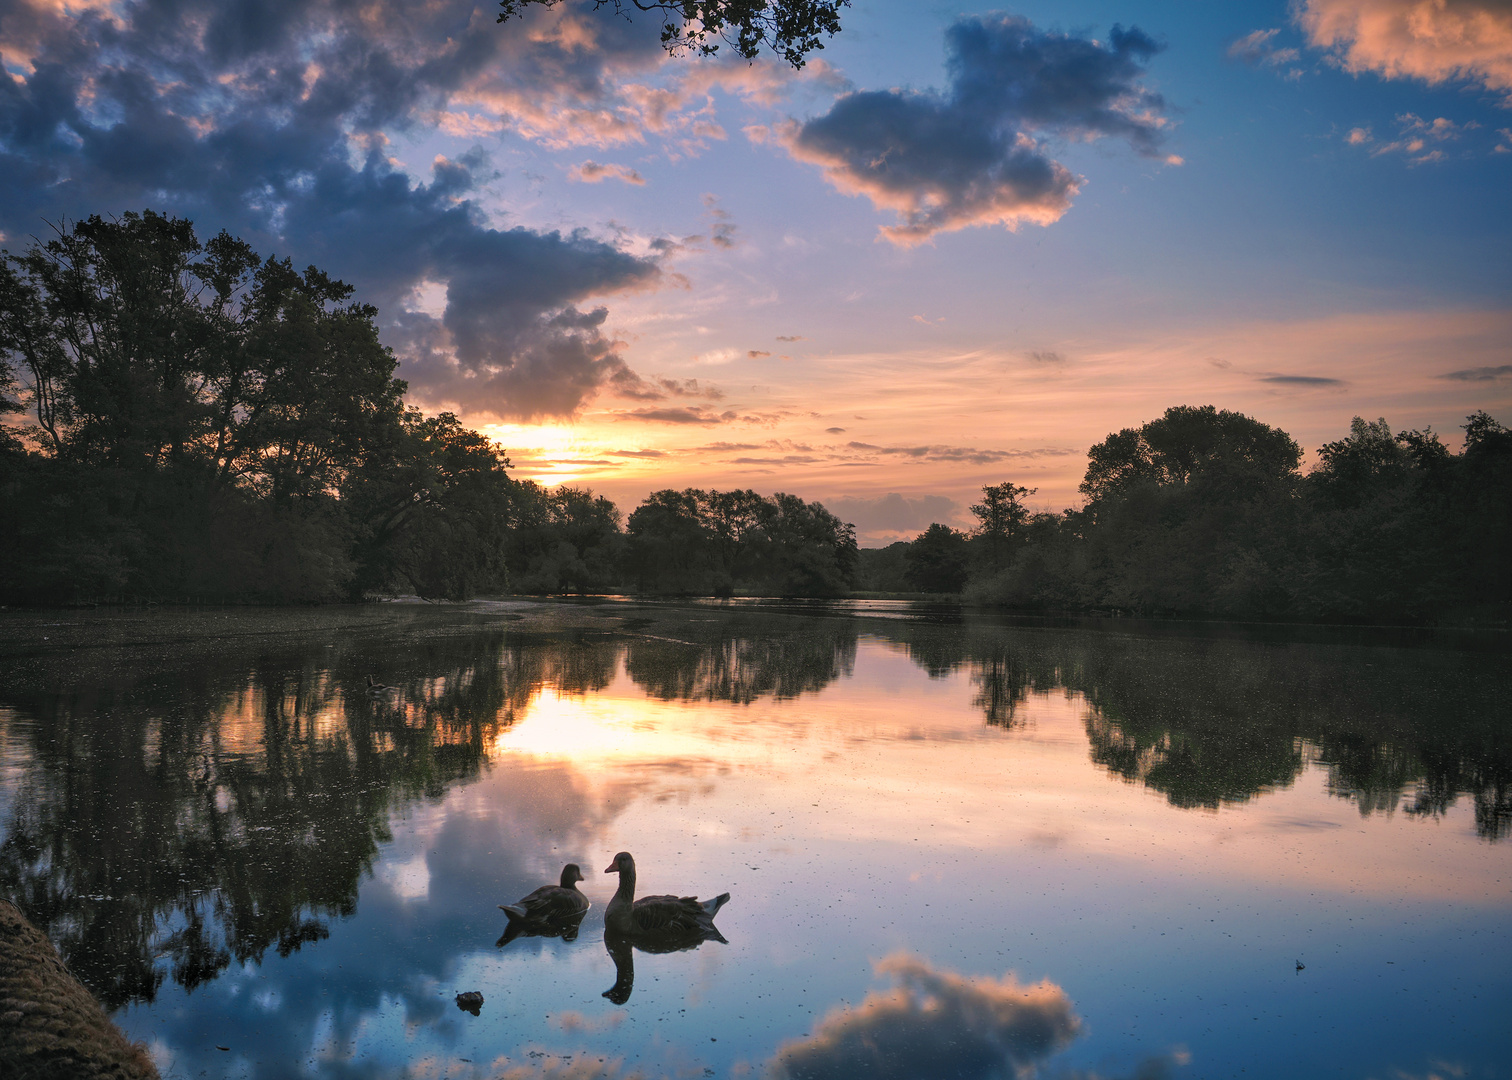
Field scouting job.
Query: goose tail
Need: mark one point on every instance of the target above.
(713, 906)
(514, 911)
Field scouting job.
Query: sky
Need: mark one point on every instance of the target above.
(960, 246)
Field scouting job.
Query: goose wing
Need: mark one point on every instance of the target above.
(548, 902)
(670, 914)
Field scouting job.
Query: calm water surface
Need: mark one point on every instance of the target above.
(955, 848)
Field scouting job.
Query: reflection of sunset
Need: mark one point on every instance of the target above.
(899, 763)
(581, 729)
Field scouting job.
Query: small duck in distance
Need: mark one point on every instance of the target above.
(378, 689)
(551, 903)
(664, 918)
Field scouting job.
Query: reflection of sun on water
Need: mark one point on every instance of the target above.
(578, 728)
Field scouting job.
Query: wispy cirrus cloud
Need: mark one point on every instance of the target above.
(969, 455)
(592, 172)
(1432, 40)
(1420, 141)
(1301, 380)
(1480, 374)
(1258, 48)
(974, 154)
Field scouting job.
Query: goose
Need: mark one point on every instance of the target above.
(658, 917)
(551, 903)
(377, 689)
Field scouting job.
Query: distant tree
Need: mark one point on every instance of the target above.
(1371, 457)
(713, 542)
(1231, 455)
(809, 551)
(433, 507)
(882, 569)
(1001, 516)
(790, 28)
(565, 540)
(937, 560)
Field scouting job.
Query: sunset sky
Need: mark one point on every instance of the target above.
(962, 245)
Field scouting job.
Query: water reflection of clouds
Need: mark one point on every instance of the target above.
(934, 1023)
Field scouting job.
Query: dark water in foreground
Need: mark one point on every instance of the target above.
(955, 848)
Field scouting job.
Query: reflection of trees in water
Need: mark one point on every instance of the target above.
(741, 659)
(202, 816)
(227, 802)
(1209, 721)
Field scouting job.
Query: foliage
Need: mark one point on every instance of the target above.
(211, 424)
(1001, 517)
(1205, 512)
(565, 540)
(937, 560)
(790, 28)
(719, 542)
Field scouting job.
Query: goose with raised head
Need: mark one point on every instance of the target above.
(669, 918)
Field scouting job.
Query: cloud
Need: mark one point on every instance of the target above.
(834, 431)
(1047, 357)
(689, 414)
(894, 514)
(591, 172)
(659, 389)
(967, 454)
(1417, 138)
(1257, 49)
(791, 337)
(697, 414)
(974, 155)
(934, 1023)
(722, 231)
(1300, 380)
(1480, 374)
(276, 129)
(756, 354)
(1432, 40)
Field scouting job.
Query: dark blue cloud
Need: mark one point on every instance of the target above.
(975, 154)
(270, 119)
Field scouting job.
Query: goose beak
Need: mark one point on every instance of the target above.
(612, 868)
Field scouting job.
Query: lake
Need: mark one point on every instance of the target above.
(956, 846)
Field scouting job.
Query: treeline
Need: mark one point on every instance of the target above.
(1204, 511)
(209, 424)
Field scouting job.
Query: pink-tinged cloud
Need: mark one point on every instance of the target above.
(975, 154)
(1418, 139)
(1431, 40)
(591, 172)
(934, 1023)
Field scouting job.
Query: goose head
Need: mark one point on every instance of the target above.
(571, 874)
(622, 861)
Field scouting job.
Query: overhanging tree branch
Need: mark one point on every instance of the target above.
(790, 28)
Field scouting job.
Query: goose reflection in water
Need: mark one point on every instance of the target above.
(652, 924)
(621, 950)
